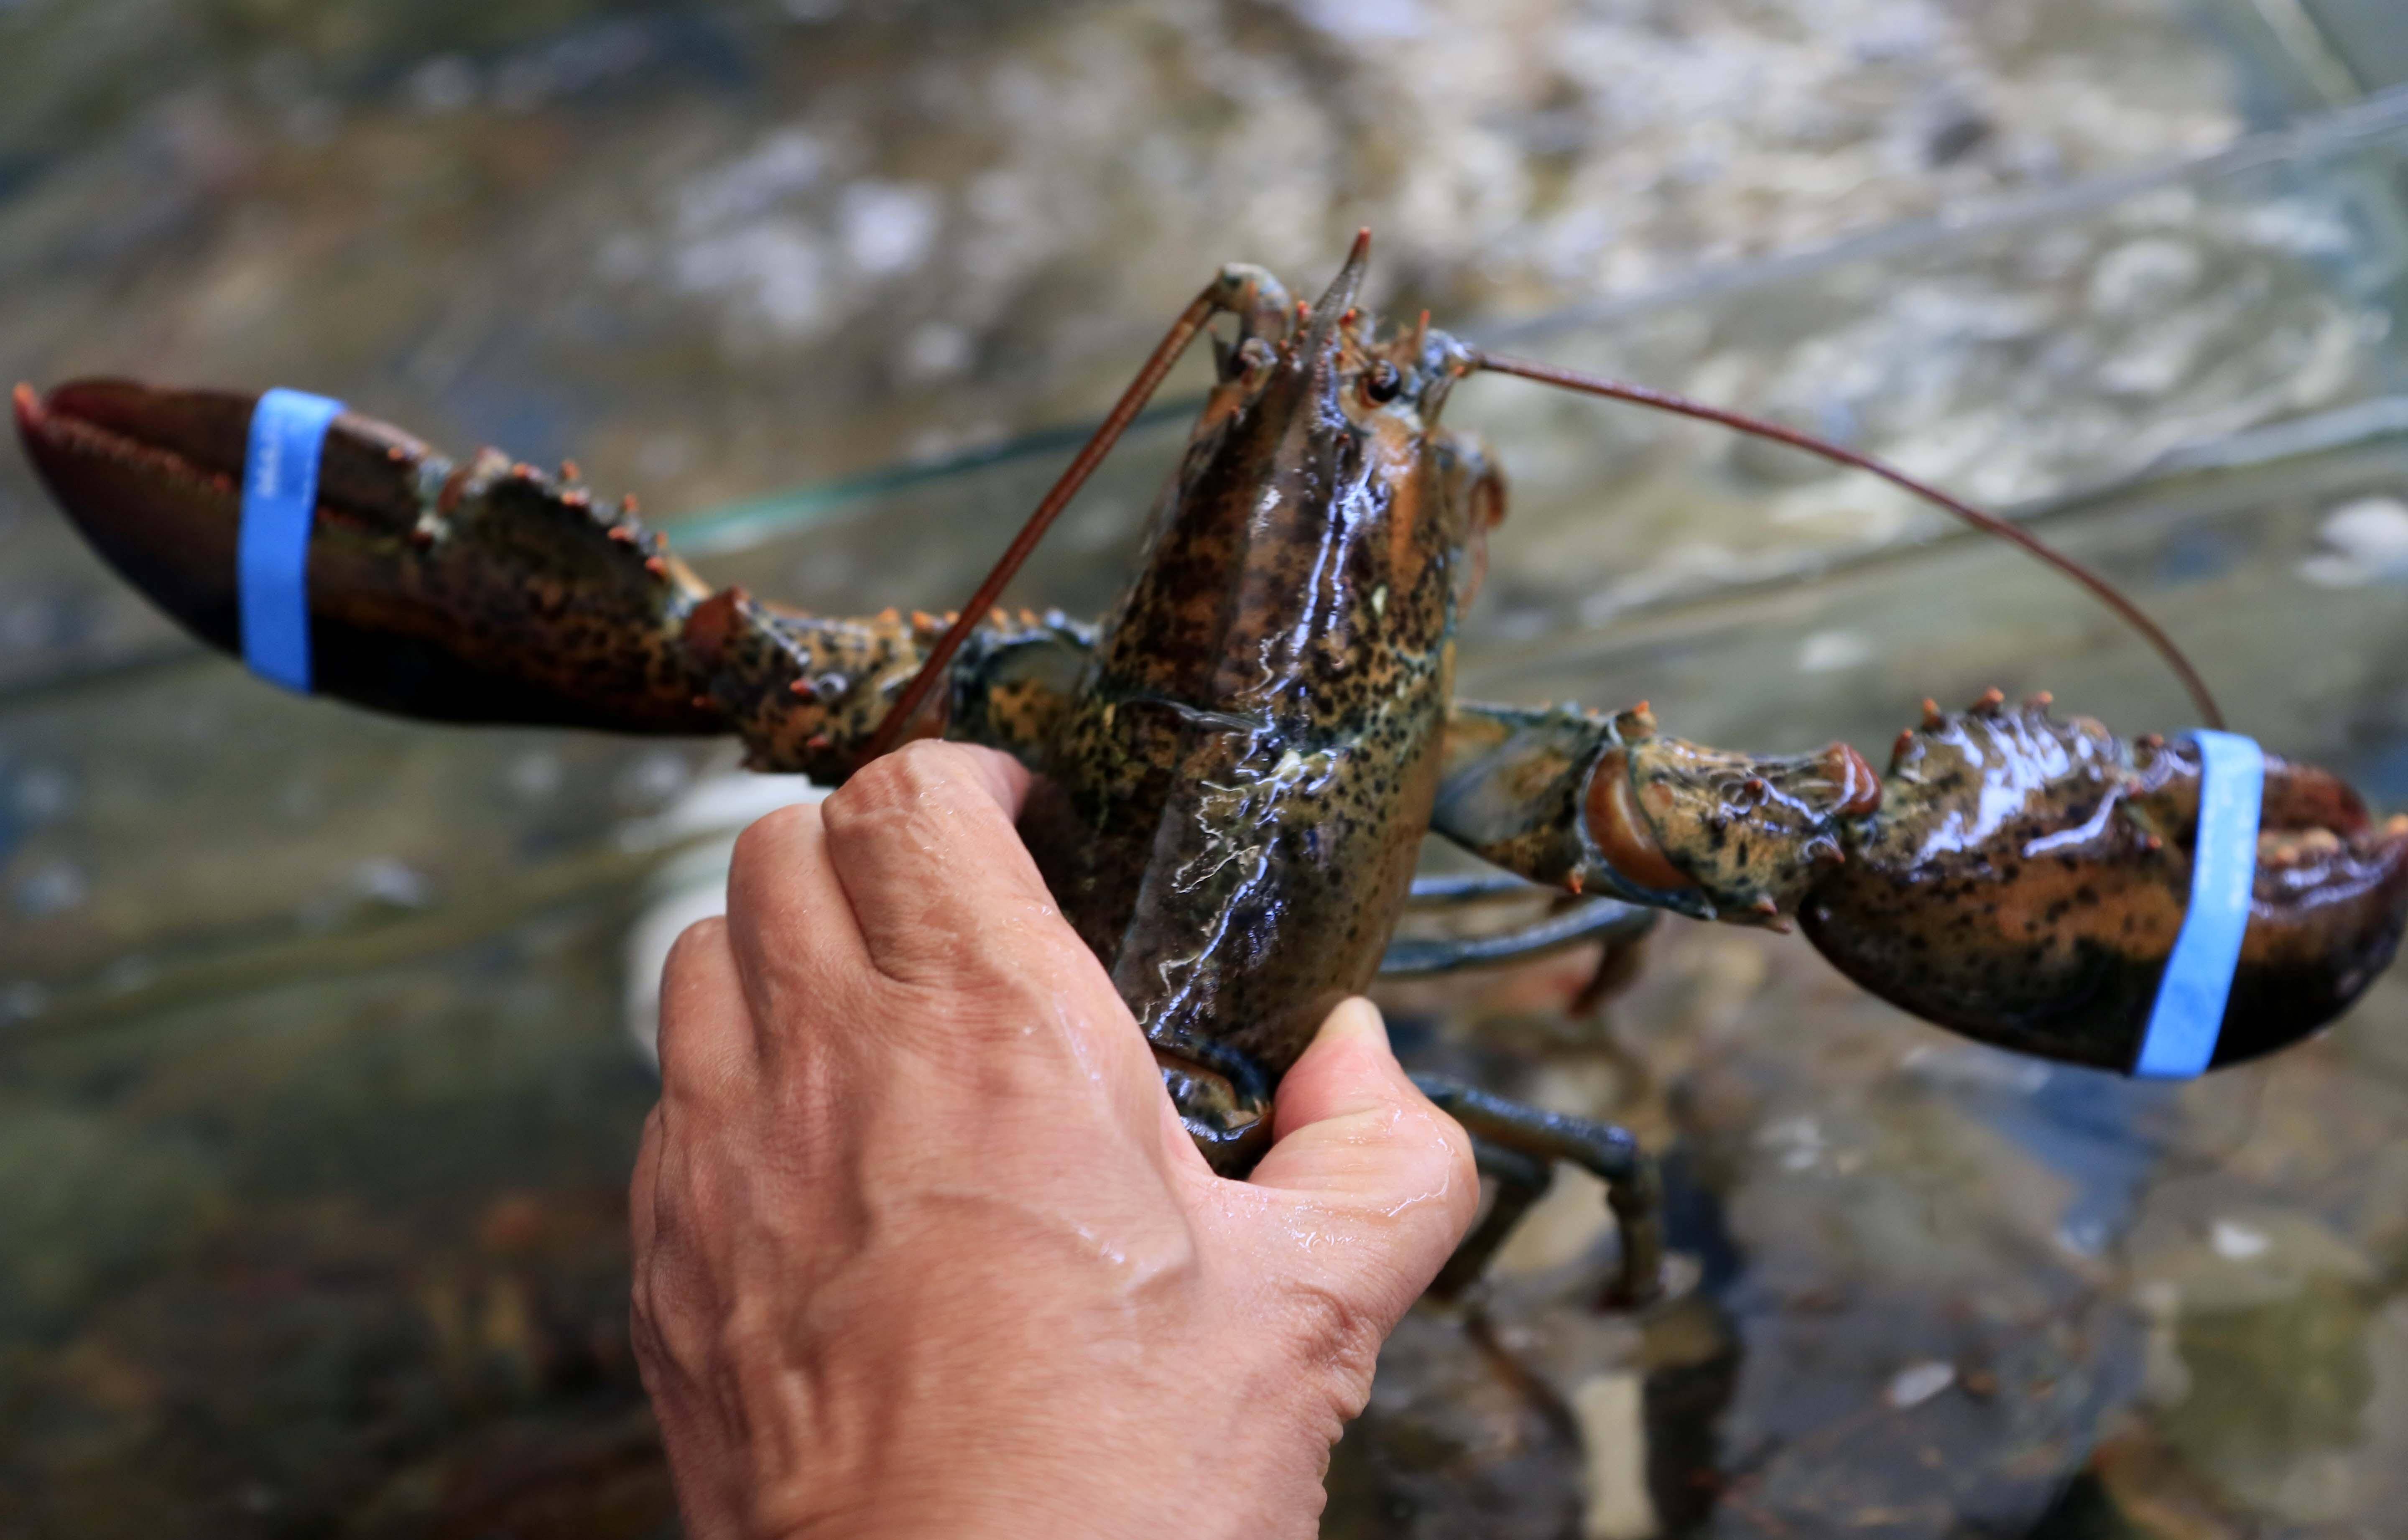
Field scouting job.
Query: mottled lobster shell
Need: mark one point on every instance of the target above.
(2025, 878)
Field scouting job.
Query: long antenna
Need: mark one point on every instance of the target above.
(897, 719)
(1572, 380)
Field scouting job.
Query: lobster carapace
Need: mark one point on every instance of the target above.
(1238, 763)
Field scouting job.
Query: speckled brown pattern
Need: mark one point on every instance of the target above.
(484, 591)
(1609, 805)
(1232, 812)
(1237, 767)
(1750, 832)
(2024, 879)
(491, 590)
(806, 691)
(1236, 777)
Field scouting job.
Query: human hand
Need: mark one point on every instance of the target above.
(922, 1249)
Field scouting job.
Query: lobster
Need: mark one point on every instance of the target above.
(1237, 764)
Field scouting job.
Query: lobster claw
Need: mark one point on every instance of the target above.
(481, 592)
(2024, 879)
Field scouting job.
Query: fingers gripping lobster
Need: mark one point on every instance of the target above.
(1239, 762)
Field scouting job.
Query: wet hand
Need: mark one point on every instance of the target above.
(921, 1247)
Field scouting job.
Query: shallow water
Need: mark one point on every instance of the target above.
(314, 1096)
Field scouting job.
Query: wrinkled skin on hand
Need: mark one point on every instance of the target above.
(921, 1245)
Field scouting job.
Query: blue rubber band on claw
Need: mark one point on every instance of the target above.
(279, 499)
(2183, 1030)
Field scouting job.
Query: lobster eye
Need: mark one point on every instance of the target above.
(1381, 383)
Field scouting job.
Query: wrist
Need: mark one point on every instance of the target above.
(1096, 1486)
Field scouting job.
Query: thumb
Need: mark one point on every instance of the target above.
(1355, 1133)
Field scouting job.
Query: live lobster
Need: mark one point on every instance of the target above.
(1238, 763)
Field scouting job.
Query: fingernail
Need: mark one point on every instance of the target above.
(1356, 1017)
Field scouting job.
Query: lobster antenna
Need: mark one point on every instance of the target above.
(2113, 598)
(1166, 353)
(1191, 320)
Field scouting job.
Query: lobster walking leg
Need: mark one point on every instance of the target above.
(1605, 919)
(1632, 1189)
(1521, 1181)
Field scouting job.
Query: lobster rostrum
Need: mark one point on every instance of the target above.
(1238, 763)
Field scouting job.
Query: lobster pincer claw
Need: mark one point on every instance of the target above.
(484, 591)
(2024, 879)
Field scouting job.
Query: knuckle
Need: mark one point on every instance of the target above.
(686, 1023)
(694, 947)
(930, 779)
(897, 780)
(937, 758)
(770, 840)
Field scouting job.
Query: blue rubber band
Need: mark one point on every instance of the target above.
(2183, 1030)
(279, 498)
